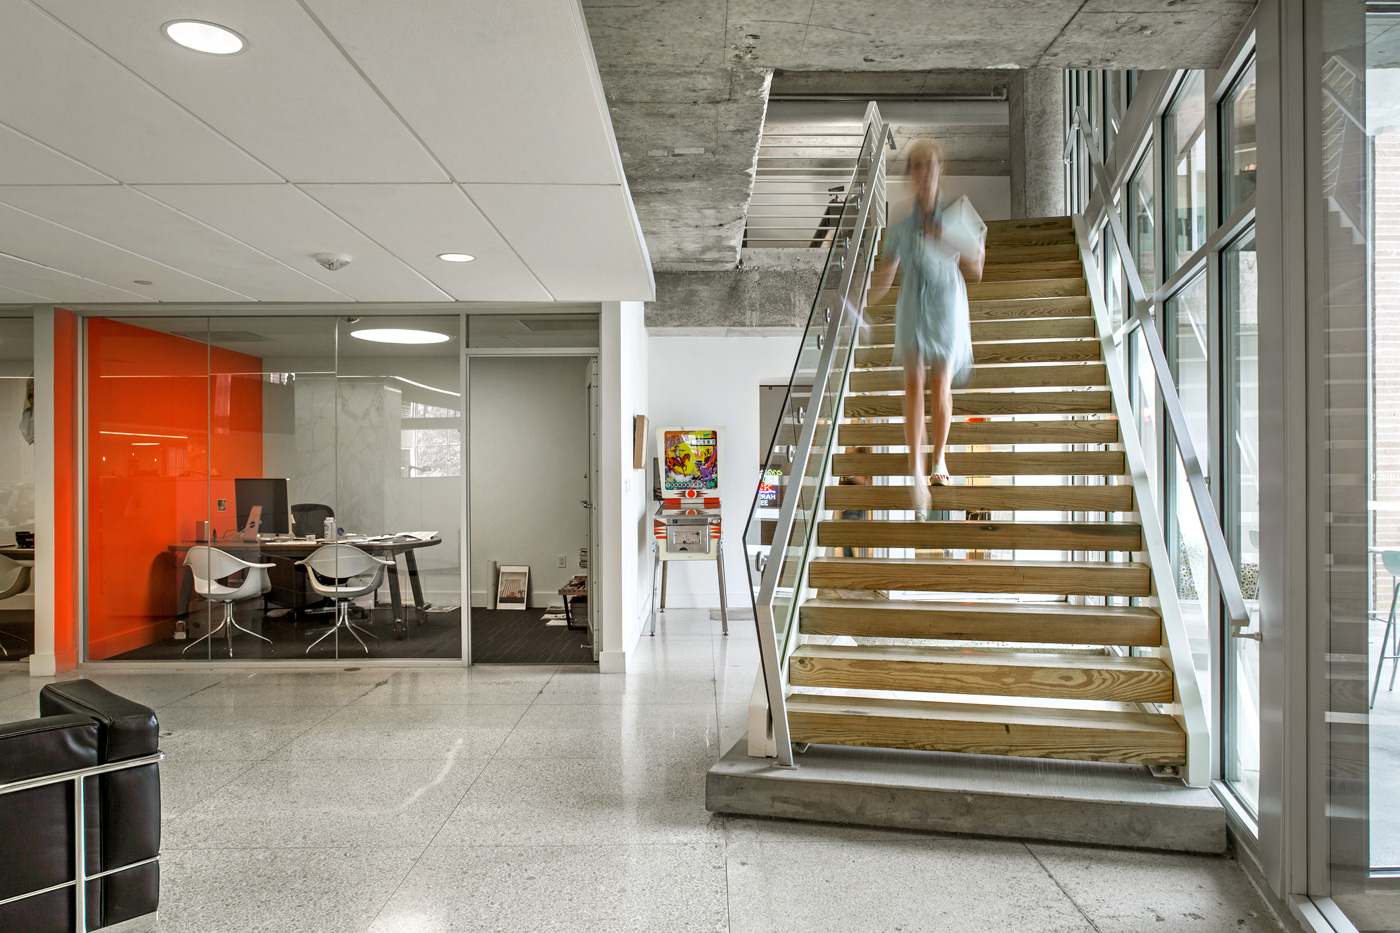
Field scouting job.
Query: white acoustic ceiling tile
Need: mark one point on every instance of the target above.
(417, 222)
(21, 278)
(289, 225)
(24, 161)
(127, 218)
(61, 91)
(290, 97)
(48, 244)
(581, 241)
(500, 91)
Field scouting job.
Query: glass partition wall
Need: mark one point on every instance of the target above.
(274, 487)
(16, 487)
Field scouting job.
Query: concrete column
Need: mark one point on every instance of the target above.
(1037, 121)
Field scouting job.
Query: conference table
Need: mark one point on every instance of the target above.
(284, 551)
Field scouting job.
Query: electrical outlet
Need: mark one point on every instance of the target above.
(563, 561)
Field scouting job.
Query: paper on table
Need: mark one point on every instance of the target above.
(420, 535)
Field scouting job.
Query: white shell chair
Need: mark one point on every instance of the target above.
(343, 572)
(208, 566)
(14, 579)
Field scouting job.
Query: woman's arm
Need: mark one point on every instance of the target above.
(972, 265)
(883, 278)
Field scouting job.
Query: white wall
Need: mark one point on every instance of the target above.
(713, 381)
(529, 470)
(624, 498)
(989, 194)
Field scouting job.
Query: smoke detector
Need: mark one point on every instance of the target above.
(332, 261)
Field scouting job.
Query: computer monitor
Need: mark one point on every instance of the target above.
(269, 493)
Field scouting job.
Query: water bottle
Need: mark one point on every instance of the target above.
(328, 528)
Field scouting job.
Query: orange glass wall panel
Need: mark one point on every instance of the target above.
(151, 407)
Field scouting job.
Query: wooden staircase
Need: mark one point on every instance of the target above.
(994, 654)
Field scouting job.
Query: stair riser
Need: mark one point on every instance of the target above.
(1043, 683)
(883, 311)
(987, 576)
(984, 627)
(989, 403)
(978, 738)
(1003, 253)
(1058, 431)
(997, 463)
(1037, 376)
(1052, 351)
(977, 535)
(987, 498)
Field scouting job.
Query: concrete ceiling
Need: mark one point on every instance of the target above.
(687, 80)
(388, 132)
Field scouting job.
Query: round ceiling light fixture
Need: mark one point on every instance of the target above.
(210, 38)
(456, 257)
(399, 335)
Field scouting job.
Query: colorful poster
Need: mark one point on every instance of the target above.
(691, 457)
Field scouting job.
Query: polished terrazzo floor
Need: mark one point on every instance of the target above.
(554, 798)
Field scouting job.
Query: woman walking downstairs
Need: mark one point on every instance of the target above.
(932, 331)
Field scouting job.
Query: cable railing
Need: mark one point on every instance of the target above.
(1143, 321)
(798, 460)
(802, 184)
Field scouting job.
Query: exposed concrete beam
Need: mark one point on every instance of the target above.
(772, 288)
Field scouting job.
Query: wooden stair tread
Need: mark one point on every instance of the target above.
(972, 402)
(987, 498)
(924, 654)
(996, 376)
(992, 463)
(1048, 328)
(1062, 578)
(1053, 623)
(1020, 270)
(1036, 536)
(986, 712)
(1046, 351)
(1127, 738)
(1050, 431)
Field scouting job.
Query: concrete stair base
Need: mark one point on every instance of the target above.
(978, 795)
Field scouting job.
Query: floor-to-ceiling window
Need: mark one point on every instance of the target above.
(1183, 162)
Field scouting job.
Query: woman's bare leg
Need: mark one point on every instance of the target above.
(915, 437)
(940, 413)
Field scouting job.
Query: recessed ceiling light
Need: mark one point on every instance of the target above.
(204, 37)
(455, 257)
(399, 335)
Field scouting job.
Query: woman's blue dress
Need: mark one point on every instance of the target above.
(931, 321)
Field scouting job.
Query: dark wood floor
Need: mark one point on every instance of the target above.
(520, 636)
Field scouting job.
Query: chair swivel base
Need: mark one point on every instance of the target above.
(226, 625)
(342, 619)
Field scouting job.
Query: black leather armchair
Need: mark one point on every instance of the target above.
(82, 726)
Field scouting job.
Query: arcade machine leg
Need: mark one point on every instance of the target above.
(723, 596)
(665, 566)
(656, 562)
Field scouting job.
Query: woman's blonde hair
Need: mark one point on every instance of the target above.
(927, 147)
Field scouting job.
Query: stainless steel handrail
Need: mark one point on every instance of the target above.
(1143, 319)
(843, 257)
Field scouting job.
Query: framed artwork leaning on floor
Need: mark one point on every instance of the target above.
(513, 588)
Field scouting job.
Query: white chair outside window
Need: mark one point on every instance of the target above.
(344, 573)
(209, 566)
